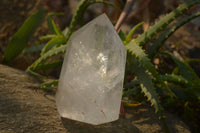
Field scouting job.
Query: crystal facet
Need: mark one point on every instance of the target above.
(91, 80)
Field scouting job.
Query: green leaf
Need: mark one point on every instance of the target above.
(36, 74)
(122, 35)
(49, 85)
(46, 38)
(47, 55)
(192, 60)
(168, 32)
(164, 22)
(131, 84)
(149, 91)
(131, 92)
(52, 26)
(139, 53)
(75, 19)
(185, 70)
(132, 31)
(33, 49)
(175, 79)
(49, 65)
(59, 39)
(187, 61)
(65, 31)
(147, 87)
(20, 39)
(192, 87)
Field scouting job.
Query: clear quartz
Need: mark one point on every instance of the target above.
(91, 79)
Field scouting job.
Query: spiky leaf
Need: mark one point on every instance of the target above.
(164, 21)
(168, 32)
(47, 55)
(186, 71)
(52, 26)
(145, 61)
(59, 39)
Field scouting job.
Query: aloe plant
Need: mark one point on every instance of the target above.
(142, 67)
(146, 78)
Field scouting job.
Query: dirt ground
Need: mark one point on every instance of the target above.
(25, 108)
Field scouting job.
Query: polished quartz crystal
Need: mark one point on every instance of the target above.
(91, 79)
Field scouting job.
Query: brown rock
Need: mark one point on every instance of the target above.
(26, 108)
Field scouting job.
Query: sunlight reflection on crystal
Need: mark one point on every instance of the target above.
(103, 59)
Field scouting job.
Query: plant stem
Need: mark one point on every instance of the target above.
(124, 14)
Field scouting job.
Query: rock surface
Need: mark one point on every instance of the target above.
(26, 108)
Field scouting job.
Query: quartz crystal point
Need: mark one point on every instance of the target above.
(91, 80)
